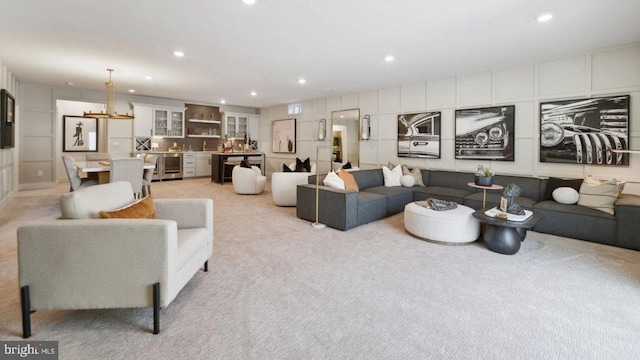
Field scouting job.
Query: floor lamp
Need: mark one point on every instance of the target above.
(316, 224)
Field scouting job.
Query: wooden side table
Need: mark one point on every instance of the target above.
(484, 190)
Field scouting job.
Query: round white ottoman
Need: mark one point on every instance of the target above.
(454, 227)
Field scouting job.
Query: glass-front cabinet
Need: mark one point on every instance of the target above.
(169, 123)
(236, 125)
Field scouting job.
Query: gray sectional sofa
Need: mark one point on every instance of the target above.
(342, 209)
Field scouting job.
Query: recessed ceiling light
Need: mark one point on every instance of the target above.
(544, 17)
(148, 77)
(178, 53)
(249, 2)
(253, 93)
(223, 101)
(302, 81)
(132, 90)
(70, 83)
(388, 58)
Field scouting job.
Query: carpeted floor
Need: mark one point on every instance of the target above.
(279, 289)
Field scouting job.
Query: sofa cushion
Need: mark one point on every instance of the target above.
(566, 195)
(442, 193)
(530, 187)
(368, 178)
(88, 202)
(474, 200)
(415, 172)
(143, 209)
(599, 195)
(397, 197)
(554, 183)
(333, 180)
(371, 207)
(450, 180)
(392, 176)
(349, 181)
(575, 221)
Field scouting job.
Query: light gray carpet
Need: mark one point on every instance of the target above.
(279, 289)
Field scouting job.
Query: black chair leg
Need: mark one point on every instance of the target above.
(26, 311)
(206, 265)
(156, 308)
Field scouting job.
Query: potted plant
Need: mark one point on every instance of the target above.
(484, 176)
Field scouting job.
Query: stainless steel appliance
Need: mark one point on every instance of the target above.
(172, 166)
(169, 166)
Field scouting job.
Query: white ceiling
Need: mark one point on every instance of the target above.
(338, 46)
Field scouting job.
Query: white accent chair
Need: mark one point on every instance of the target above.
(75, 181)
(148, 173)
(248, 181)
(284, 185)
(84, 262)
(128, 169)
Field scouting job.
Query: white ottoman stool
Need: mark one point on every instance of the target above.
(454, 227)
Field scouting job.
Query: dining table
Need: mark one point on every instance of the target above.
(100, 170)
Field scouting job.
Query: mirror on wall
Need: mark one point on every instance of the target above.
(345, 137)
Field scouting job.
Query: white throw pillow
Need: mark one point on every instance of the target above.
(407, 180)
(392, 177)
(333, 180)
(599, 194)
(565, 195)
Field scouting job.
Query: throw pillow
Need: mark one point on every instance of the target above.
(554, 183)
(407, 180)
(347, 165)
(303, 166)
(333, 180)
(349, 181)
(416, 173)
(599, 195)
(245, 164)
(286, 168)
(392, 176)
(566, 195)
(142, 209)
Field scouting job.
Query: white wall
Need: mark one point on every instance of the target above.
(8, 157)
(608, 71)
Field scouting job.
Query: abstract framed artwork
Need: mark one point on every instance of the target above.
(584, 131)
(283, 136)
(7, 119)
(79, 134)
(419, 135)
(486, 133)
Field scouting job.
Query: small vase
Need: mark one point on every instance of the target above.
(483, 180)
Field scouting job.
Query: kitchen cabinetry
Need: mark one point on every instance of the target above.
(188, 165)
(143, 123)
(203, 164)
(168, 123)
(237, 126)
(203, 121)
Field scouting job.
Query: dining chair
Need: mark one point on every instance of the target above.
(128, 169)
(148, 173)
(75, 181)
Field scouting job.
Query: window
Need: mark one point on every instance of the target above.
(295, 109)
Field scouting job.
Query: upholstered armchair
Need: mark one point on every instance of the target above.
(248, 181)
(284, 184)
(83, 261)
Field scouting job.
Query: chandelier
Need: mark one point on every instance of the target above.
(110, 114)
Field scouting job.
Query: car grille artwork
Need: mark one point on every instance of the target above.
(486, 133)
(585, 131)
(419, 135)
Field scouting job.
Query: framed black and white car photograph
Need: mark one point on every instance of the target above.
(283, 136)
(585, 131)
(419, 135)
(7, 119)
(79, 134)
(486, 133)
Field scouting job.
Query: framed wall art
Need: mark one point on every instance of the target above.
(419, 135)
(7, 119)
(486, 133)
(584, 131)
(283, 136)
(79, 134)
